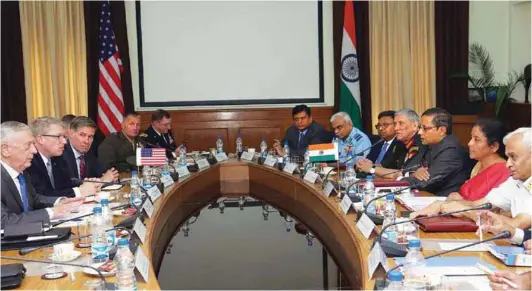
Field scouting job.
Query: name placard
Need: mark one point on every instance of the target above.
(148, 207)
(140, 230)
(346, 203)
(310, 176)
(154, 193)
(203, 164)
(329, 187)
(289, 168)
(142, 264)
(376, 257)
(183, 172)
(270, 161)
(167, 180)
(220, 157)
(247, 156)
(365, 225)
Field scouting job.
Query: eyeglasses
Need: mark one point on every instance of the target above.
(383, 126)
(427, 128)
(55, 136)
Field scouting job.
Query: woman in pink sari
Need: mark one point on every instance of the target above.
(487, 148)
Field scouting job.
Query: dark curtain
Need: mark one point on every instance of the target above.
(362, 35)
(13, 90)
(92, 11)
(451, 25)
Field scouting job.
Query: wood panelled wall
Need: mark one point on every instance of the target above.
(200, 128)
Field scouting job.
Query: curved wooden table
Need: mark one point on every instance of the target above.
(303, 200)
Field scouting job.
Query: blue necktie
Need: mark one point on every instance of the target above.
(22, 182)
(301, 135)
(382, 153)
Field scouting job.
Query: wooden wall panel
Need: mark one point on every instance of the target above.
(462, 125)
(200, 128)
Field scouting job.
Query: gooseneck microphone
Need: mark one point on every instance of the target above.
(360, 153)
(394, 249)
(107, 286)
(503, 235)
(85, 215)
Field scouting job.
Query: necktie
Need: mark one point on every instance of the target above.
(50, 173)
(301, 135)
(81, 167)
(23, 193)
(384, 148)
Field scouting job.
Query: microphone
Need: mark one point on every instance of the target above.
(107, 286)
(27, 250)
(85, 215)
(360, 153)
(503, 235)
(104, 184)
(409, 169)
(397, 250)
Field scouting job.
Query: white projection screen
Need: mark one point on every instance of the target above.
(198, 53)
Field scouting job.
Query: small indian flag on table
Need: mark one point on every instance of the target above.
(325, 152)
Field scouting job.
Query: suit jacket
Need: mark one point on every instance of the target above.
(114, 151)
(93, 168)
(527, 235)
(393, 156)
(157, 140)
(62, 177)
(315, 135)
(12, 207)
(448, 160)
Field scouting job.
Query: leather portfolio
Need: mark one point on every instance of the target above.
(447, 224)
(12, 275)
(52, 236)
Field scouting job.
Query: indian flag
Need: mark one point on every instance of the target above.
(349, 87)
(324, 152)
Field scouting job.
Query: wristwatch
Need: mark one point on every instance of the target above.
(372, 170)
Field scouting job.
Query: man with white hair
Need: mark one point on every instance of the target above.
(353, 144)
(20, 203)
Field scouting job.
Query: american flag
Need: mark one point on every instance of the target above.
(110, 101)
(151, 156)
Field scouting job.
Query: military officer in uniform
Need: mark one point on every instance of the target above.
(159, 133)
(118, 146)
(351, 141)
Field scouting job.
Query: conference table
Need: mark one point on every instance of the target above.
(304, 201)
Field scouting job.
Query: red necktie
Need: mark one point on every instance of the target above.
(81, 167)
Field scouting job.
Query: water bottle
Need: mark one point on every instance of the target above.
(239, 145)
(395, 281)
(146, 177)
(369, 193)
(219, 145)
(135, 196)
(350, 176)
(286, 156)
(389, 213)
(182, 156)
(307, 158)
(125, 267)
(263, 148)
(99, 245)
(414, 268)
(107, 216)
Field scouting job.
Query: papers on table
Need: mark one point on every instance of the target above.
(483, 247)
(453, 266)
(418, 203)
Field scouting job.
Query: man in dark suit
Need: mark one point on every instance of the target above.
(120, 146)
(391, 151)
(159, 133)
(50, 173)
(445, 160)
(80, 160)
(20, 203)
(303, 133)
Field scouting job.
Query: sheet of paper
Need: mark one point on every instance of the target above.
(183, 172)
(154, 193)
(112, 187)
(418, 203)
(483, 247)
(148, 207)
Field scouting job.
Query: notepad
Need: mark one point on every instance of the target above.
(483, 247)
(453, 266)
(418, 203)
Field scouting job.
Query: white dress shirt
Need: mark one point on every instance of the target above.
(519, 234)
(14, 176)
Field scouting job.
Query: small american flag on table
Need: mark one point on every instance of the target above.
(151, 156)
